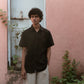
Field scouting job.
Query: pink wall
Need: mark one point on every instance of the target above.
(65, 20)
(3, 45)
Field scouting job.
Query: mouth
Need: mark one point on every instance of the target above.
(35, 21)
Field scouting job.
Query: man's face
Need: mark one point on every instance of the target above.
(35, 19)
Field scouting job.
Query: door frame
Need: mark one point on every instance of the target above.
(9, 33)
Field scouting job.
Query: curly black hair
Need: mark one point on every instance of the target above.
(36, 11)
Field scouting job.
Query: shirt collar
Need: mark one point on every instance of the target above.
(34, 29)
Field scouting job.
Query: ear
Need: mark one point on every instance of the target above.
(40, 20)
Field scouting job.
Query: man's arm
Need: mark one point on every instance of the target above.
(48, 54)
(23, 61)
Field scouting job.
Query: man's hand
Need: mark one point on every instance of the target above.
(23, 74)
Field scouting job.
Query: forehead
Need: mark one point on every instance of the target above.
(34, 15)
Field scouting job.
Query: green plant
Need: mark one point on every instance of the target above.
(69, 72)
(78, 81)
(16, 47)
(15, 60)
(3, 17)
(55, 80)
(17, 34)
(11, 68)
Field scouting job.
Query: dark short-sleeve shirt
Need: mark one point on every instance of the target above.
(37, 44)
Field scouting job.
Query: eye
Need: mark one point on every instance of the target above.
(36, 16)
(32, 16)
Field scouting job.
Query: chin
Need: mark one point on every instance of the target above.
(36, 23)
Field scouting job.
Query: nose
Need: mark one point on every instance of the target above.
(33, 17)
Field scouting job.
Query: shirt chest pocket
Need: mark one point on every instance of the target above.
(42, 42)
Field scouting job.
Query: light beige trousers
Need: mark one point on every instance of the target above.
(37, 78)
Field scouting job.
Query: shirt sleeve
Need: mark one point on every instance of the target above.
(50, 40)
(22, 42)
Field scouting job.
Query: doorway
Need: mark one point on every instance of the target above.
(19, 21)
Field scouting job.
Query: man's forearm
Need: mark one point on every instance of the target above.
(23, 57)
(48, 54)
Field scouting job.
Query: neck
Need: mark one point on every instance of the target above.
(36, 27)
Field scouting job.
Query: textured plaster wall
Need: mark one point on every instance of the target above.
(65, 20)
(3, 45)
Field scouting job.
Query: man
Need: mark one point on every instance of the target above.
(36, 44)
